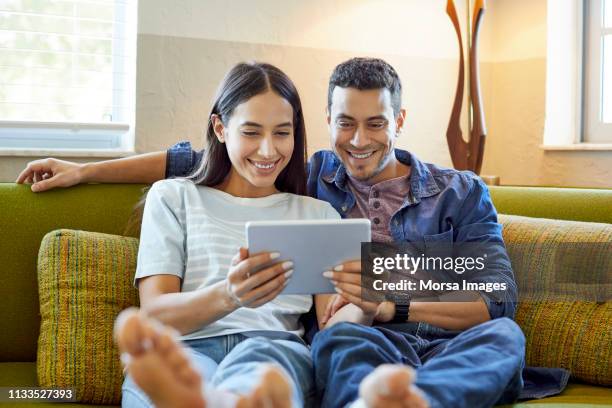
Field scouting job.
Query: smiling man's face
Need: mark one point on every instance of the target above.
(363, 131)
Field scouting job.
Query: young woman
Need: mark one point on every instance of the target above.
(195, 276)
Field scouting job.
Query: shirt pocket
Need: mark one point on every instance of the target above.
(439, 244)
(438, 250)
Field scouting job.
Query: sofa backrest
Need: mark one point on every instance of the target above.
(25, 217)
(572, 204)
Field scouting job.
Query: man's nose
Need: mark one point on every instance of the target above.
(360, 138)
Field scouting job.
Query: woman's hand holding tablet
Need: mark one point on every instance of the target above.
(255, 280)
(315, 246)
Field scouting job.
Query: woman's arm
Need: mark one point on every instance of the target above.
(245, 286)
(160, 298)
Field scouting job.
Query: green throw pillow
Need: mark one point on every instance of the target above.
(563, 271)
(84, 281)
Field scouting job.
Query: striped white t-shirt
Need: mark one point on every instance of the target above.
(193, 232)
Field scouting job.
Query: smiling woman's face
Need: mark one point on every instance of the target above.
(259, 137)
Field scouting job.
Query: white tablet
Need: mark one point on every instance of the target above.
(314, 246)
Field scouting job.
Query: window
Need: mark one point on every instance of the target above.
(598, 72)
(67, 74)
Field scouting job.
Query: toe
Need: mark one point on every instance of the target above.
(388, 385)
(128, 332)
(279, 387)
(398, 382)
(189, 376)
(166, 341)
(273, 391)
(416, 398)
(176, 359)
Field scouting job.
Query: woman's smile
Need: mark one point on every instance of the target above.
(265, 167)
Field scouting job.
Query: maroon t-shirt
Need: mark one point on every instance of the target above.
(379, 202)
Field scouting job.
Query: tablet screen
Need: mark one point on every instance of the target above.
(313, 246)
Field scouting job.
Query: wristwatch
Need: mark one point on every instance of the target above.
(402, 308)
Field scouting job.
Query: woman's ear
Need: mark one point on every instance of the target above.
(218, 127)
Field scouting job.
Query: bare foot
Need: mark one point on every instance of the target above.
(391, 386)
(157, 363)
(274, 391)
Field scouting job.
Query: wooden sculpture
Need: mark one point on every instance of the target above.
(467, 155)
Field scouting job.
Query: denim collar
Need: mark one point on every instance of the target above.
(422, 182)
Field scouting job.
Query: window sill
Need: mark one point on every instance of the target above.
(101, 153)
(65, 139)
(578, 147)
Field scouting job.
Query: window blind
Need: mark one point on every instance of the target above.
(67, 60)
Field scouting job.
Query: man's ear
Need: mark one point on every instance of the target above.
(218, 127)
(399, 121)
(328, 120)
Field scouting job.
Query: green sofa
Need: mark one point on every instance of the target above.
(26, 217)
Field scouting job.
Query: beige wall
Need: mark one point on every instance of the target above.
(186, 46)
(514, 83)
(181, 60)
(174, 96)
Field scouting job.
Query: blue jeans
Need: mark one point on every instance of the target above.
(478, 367)
(233, 363)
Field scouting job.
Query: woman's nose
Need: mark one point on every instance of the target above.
(266, 147)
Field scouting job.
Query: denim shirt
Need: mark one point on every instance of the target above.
(182, 160)
(444, 205)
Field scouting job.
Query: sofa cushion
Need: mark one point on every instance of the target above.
(85, 280)
(25, 218)
(564, 274)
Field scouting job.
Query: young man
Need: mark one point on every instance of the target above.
(464, 354)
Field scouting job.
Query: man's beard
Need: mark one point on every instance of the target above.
(380, 166)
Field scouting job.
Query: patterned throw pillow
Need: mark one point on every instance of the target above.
(84, 281)
(563, 271)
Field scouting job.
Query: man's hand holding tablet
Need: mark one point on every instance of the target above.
(346, 279)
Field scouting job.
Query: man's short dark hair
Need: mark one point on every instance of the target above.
(364, 74)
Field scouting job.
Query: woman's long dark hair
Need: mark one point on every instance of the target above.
(242, 82)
